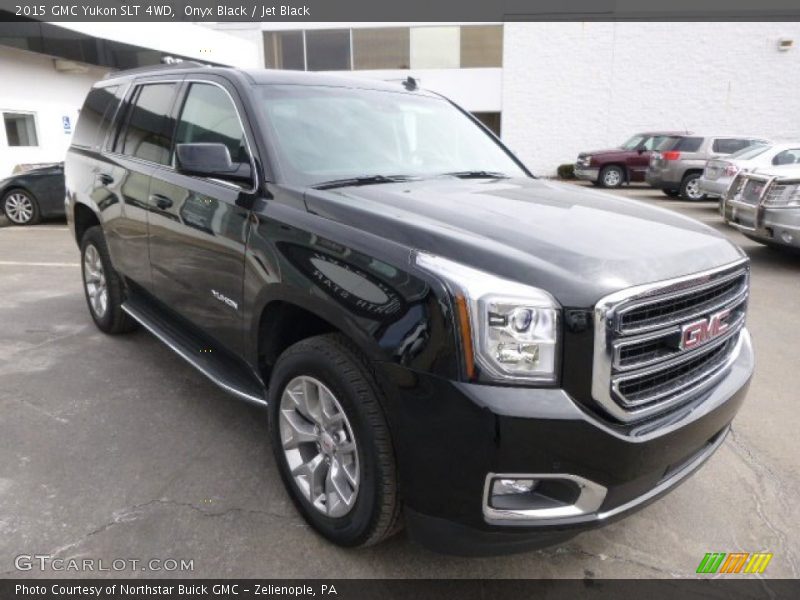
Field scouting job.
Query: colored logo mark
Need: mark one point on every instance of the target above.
(734, 562)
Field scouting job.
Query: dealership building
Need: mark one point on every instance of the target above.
(549, 89)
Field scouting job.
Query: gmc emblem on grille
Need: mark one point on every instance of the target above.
(699, 332)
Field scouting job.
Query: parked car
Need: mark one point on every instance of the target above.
(30, 196)
(614, 166)
(434, 332)
(719, 172)
(765, 205)
(677, 163)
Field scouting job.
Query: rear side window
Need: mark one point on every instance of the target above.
(729, 145)
(687, 144)
(787, 157)
(149, 130)
(95, 116)
(209, 117)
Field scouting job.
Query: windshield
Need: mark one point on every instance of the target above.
(750, 152)
(326, 134)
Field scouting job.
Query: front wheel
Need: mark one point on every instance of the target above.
(102, 285)
(690, 188)
(611, 177)
(331, 441)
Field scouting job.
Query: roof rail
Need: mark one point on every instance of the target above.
(185, 64)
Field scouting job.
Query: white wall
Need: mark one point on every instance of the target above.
(30, 83)
(569, 87)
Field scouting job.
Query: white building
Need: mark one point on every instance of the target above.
(550, 89)
(558, 88)
(46, 71)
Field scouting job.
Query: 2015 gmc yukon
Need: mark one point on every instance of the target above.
(440, 339)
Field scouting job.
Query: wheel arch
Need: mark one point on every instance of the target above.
(84, 218)
(626, 177)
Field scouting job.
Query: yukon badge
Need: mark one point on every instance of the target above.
(223, 298)
(699, 332)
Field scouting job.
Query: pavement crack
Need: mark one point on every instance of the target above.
(763, 471)
(575, 551)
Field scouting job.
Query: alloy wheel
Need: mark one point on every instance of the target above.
(612, 178)
(693, 191)
(19, 208)
(95, 281)
(319, 446)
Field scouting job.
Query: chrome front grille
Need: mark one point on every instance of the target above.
(643, 366)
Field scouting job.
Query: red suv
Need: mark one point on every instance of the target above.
(615, 166)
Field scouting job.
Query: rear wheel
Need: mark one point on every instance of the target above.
(102, 285)
(331, 441)
(611, 177)
(21, 207)
(690, 188)
(672, 193)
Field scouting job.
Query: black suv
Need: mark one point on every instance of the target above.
(440, 339)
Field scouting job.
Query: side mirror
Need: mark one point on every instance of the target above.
(641, 149)
(210, 160)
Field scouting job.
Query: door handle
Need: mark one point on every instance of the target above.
(106, 179)
(161, 201)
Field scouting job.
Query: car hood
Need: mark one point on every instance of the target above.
(605, 151)
(577, 244)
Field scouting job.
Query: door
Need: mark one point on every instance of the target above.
(198, 232)
(638, 160)
(123, 176)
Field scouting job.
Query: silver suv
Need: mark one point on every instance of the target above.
(677, 164)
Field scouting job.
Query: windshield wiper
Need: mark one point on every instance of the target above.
(364, 180)
(478, 175)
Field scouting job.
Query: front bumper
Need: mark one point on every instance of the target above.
(778, 226)
(450, 436)
(587, 173)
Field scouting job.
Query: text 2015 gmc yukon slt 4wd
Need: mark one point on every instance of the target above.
(440, 339)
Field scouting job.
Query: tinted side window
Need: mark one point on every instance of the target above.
(209, 116)
(729, 145)
(688, 144)
(94, 118)
(149, 131)
(787, 157)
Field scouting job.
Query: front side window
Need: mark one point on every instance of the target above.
(20, 129)
(326, 133)
(633, 143)
(149, 126)
(209, 117)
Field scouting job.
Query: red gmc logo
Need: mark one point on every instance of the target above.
(699, 332)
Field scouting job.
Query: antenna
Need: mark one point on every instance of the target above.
(410, 83)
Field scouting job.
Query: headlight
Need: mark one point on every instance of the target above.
(781, 195)
(509, 330)
(584, 161)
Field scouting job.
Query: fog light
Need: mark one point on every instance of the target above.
(786, 237)
(504, 487)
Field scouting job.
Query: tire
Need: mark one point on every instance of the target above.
(611, 176)
(330, 366)
(100, 277)
(21, 207)
(672, 193)
(689, 189)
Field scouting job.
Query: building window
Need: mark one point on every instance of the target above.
(284, 50)
(435, 47)
(20, 129)
(384, 48)
(328, 50)
(490, 119)
(482, 46)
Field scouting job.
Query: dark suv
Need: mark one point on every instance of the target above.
(440, 339)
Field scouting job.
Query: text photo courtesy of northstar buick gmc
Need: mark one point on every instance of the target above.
(440, 339)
